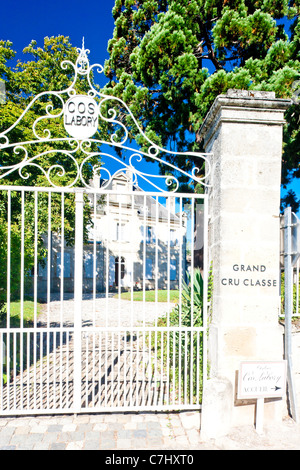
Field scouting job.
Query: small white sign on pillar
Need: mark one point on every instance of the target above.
(261, 380)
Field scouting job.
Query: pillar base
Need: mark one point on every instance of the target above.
(217, 409)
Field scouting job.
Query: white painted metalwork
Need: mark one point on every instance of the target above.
(290, 262)
(291, 253)
(95, 351)
(83, 133)
(89, 350)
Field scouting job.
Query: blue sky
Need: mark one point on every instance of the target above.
(21, 21)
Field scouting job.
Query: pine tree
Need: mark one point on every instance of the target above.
(169, 60)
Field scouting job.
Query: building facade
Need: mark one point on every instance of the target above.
(135, 241)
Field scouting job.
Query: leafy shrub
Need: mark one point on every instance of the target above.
(295, 309)
(181, 353)
(2, 312)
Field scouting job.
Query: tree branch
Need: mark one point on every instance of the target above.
(211, 51)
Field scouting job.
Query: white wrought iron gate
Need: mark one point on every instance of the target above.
(87, 348)
(75, 243)
(290, 252)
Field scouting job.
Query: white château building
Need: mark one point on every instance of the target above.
(136, 240)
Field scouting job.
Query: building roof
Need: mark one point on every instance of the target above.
(143, 202)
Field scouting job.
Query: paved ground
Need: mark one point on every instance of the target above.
(117, 368)
(133, 432)
(104, 312)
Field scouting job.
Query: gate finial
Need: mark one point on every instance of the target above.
(83, 51)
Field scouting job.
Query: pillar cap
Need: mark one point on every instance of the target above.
(248, 100)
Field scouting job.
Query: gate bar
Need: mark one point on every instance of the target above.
(78, 271)
(288, 289)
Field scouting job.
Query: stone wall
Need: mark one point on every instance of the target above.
(243, 131)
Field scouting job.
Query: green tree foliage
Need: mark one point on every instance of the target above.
(170, 59)
(23, 83)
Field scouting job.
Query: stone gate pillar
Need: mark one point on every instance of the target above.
(243, 130)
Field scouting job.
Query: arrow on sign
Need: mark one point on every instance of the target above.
(276, 388)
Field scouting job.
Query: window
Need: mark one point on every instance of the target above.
(149, 268)
(43, 268)
(149, 234)
(119, 270)
(120, 232)
(173, 269)
(173, 239)
(67, 265)
(88, 265)
(111, 271)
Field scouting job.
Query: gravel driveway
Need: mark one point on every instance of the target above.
(102, 312)
(116, 368)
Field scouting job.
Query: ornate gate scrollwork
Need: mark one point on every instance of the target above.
(82, 115)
